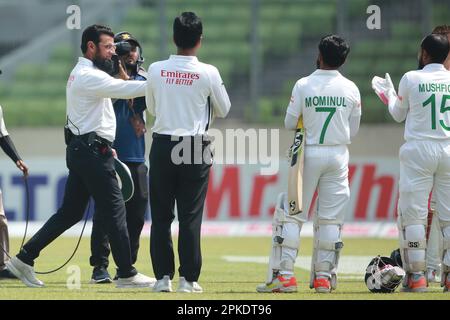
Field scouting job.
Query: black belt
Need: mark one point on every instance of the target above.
(91, 138)
(205, 138)
(161, 136)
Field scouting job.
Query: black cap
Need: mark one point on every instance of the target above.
(126, 36)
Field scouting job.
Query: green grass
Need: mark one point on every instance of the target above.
(220, 279)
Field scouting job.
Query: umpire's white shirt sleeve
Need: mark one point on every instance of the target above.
(102, 85)
(219, 96)
(88, 97)
(149, 94)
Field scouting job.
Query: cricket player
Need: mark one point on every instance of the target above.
(330, 106)
(423, 100)
(8, 147)
(433, 233)
(434, 244)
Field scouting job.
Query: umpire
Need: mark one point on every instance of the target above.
(183, 94)
(130, 147)
(92, 127)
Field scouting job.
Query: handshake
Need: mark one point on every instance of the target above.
(384, 88)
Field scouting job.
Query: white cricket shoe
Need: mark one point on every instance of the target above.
(24, 272)
(281, 283)
(433, 275)
(189, 286)
(163, 285)
(137, 281)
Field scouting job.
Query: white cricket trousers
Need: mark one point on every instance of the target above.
(326, 168)
(424, 165)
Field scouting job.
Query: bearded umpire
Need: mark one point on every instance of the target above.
(130, 147)
(183, 94)
(89, 158)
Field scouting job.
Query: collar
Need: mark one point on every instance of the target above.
(434, 67)
(184, 58)
(321, 72)
(85, 62)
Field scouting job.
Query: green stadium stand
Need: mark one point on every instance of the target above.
(38, 90)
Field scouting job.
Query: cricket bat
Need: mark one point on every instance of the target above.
(295, 180)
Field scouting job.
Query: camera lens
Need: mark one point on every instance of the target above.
(123, 48)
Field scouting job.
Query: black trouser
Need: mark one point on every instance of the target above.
(135, 208)
(187, 184)
(91, 173)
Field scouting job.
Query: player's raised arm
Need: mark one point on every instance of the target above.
(397, 104)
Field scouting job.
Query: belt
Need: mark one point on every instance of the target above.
(92, 137)
(162, 136)
(205, 138)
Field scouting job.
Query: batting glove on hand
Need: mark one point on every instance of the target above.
(384, 88)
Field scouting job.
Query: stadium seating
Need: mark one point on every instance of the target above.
(287, 28)
(395, 54)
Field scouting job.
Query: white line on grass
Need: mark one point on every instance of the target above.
(350, 267)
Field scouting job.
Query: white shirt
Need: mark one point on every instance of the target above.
(327, 100)
(88, 94)
(177, 95)
(424, 100)
(3, 132)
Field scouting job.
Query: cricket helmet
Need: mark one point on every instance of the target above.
(395, 255)
(383, 275)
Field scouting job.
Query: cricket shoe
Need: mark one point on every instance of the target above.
(6, 274)
(415, 282)
(24, 272)
(433, 275)
(100, 275)
(163, 285)
(137, 281)
(322, 284)
(189, 286)
(279, 284)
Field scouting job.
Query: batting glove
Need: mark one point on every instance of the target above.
(384, 88)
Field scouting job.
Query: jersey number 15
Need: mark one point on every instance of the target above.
(444, 108)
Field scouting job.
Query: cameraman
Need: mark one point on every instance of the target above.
(130, 148)
(89, 157)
